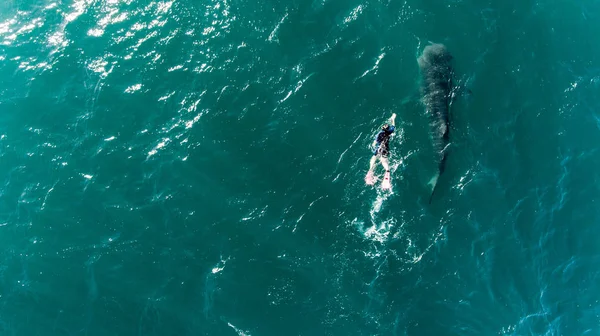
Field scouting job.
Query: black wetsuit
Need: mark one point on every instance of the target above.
(383, 139)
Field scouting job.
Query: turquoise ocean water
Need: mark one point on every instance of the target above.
(196, 168)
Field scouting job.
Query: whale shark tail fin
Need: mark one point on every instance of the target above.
(433, 184)
(434, 180)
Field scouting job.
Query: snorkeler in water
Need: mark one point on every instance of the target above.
(381, 151)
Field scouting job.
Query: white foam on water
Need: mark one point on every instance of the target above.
(238, 330)
(273, 35)
(160, 145)
(219, 266)
(373, 68)
(133, 88)
(354, 14)
(379, 232)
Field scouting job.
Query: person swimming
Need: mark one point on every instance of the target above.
(381, 151)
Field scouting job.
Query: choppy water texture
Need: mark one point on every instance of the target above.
(196, 168)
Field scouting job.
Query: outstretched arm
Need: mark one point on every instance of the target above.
(392, 119)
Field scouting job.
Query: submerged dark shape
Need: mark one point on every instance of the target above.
(436, 90)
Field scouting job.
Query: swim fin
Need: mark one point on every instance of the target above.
(386, 184)
(370, 178)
